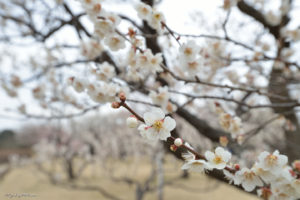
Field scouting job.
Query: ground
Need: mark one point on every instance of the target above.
(27, 180)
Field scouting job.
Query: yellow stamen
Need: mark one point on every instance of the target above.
(158, 125)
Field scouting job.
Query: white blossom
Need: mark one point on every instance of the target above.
(188, 51)
(272, 162)
(144, 11)
(219, 159)
(248, 179)
(115, 42)
(157, 125)
(161, 97)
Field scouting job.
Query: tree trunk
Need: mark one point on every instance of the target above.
(279, 86)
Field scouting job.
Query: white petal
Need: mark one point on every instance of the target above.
(263, 155)
(151, 134)
(219, 151)
(209, 155)
(163, 134)
(169, 123)
(186, 166)
(248, 186)
(159, 112)
(282, 160)
(220, 166)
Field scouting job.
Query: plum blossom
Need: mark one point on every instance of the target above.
(102, 93)
(188, 51)
(161, 97)
(157, 126)
(106, 72)
(193, 164)
(91, 49)
(103, 27)
(78, 84)
(144, 11)
(272, 162)
(248, 179)
(219, 159)
(149, 62)
(115, 42)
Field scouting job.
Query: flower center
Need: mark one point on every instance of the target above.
(158, 125)
(218, 160)
(249, 175)
(188, 51)
(193, 65)
(271, 159)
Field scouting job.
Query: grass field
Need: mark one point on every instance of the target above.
(96, 184)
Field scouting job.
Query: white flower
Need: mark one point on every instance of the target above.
(115, 42)
(106, 72)
(248, 179)
(149, 62)
(194, 165)
(161, 98)
(188, 52)
(144, 11)
(272, 18)
(102, 93)
(217, 160)
(91, 49)
(103, 27)
(154, 63)
(272, 162)
(156, 19)
(191, 162)
(231, 177)
(265, 175)
(157, 125)
(78, 84)
(191, 67)
(132, 122)
(264, 193)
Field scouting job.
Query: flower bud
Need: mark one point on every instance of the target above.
(223, 141)
(173, 147)
(296, 165)
(237, 167)
(132, 122)
(122, 96)
(115, 105)
(178, 142)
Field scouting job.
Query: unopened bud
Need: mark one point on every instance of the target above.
(296, 165)
(115, 105)
(237, 167)
(178, 142)
(122, 96)
(223, 141)
(132, 122)
(173, 147)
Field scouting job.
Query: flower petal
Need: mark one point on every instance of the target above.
(169, 123)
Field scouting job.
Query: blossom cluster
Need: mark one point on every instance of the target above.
(189, 58)
(270, 170)
(161, 98)
(152, 16)
(105, 24)
(271, 175)
(229, 123)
